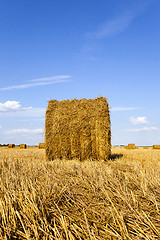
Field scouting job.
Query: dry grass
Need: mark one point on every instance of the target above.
(72, 200)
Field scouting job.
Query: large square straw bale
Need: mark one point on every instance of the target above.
(156, 146)
(11, 145)
(130, 146)
(78, 129)
(23, 146)
(41, 145)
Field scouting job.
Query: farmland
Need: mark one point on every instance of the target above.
(116, 199)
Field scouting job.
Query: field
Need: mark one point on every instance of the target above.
(117, 199)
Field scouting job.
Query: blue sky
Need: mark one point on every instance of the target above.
(58, 49)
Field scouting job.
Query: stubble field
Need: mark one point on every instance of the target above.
(117, 199)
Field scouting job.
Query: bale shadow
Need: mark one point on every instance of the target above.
(115, 156)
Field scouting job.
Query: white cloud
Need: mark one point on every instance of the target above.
(146, 129)
(14, 109)
(122, 108)
(138, 120)
(9, 106)
(39, 82)
(0, 126)
(26, 131)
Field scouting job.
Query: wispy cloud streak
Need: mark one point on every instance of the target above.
(26, 131)
(53, 78)
(144, 129)
(120, 23)
(39, 82)
(115, 109)
(112, 27)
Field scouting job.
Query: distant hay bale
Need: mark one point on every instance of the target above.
(23, 146)
(156, 146)
(78, 129)
(131, 146)
(11, 145)
(145, 147)
(41, 145)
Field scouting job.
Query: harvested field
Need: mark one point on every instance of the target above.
(115, 199)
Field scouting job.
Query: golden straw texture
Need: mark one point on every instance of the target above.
(78, 129)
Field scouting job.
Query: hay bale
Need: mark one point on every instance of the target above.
(130, 146)
(23, 146)
(41, 145)
(126, 147)
(11, 145)
(145, 147)
(156, 146)
(78, 129)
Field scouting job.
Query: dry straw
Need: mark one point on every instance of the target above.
(78, 129)
(41, 145)
(11, 145)
(23, 146)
